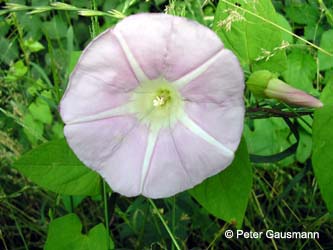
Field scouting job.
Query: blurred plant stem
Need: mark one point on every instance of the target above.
(262, 112)
(173, 217)
(155, 209)
(106, 213)
(13, 7)
(21, 38)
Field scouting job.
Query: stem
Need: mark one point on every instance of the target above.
(261, 112)
(173, 225)
(217, 236)
(19, 231)
(256, 201)
(106, 214)
(94, 20)
(21, 39)
(3, 240)
(328, 14)
(164, 224)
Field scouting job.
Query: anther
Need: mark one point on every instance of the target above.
(159, 101)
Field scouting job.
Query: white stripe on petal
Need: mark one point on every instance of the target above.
(140, 75)
(181, 82)
(118, 111)
(194, 128)
(148, 155)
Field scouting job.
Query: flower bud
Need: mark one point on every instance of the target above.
(263, 83)
(258, 81)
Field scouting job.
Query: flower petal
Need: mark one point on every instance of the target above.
(101, 80)
(147, 36)
(166, 45)
(222, 81)
(224, 123)
(180, 161)
(113, 147)
(190, 45)
(214, 100)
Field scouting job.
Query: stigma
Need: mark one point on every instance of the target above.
(157, 103)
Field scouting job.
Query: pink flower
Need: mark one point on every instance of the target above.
(155, 105)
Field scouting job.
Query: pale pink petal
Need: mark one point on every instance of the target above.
(147, 36)
(190, 45)
(214, 100)
(169, 46)
(221, 82)
(180, 161)
(114, 147)
(166, 175)
(224, 122)
(101, 80)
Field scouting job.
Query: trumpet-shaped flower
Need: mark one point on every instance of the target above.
(155, 105)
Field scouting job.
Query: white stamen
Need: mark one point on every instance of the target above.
(159, 101)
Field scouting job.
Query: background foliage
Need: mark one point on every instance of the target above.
(281, 177)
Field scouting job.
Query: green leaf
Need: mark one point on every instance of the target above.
(226, 194)
(54, 166)
(301, 70)
(31, 24)
(328, 80)
(313, 32)
(65, 234)
(257, 43)
(58, 130)
(322, 157)
(56, 28)
(283, 22)
(72, 201)
(302, 13)
(265, 131)
(74, 57)
(19, 69)
(326, 61)
(40, 110)
(304, 148)
(33, 129)
(8, 50)
(33, 46)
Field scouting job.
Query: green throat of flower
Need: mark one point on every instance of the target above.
(157, 103)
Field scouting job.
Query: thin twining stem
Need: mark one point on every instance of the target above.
(140, 75)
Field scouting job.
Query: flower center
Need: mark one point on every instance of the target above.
(162, 99)
(157, 103)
